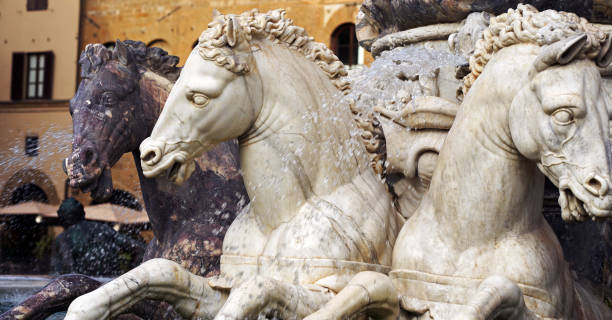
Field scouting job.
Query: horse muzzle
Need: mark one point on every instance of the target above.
(591, 198)
(156, 158)
(86, 172)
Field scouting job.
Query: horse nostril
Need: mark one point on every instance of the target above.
(89, 156)
(596, 185)
(151, 157)
(151, 152)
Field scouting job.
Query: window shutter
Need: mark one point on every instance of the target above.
(17, 76)
(48, 81)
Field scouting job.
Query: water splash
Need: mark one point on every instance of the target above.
(54, 142)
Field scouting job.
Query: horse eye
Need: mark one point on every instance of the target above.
(563, 116)
(200, 100)
(108, 98)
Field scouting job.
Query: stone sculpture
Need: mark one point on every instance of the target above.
(458, 255)
(378, 18)
(188, 229)
(488, 252)
(388, 84)
(408, 96)
(318, 213)
(115, 117)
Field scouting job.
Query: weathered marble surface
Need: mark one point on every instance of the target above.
(481, 217)
(404, 71)
(59, 293)
(318, 213)
(477, 246)
(378, 18)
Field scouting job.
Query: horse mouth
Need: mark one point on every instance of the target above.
(179, 171)
(574, 209)
(176, 169)
(97, 181)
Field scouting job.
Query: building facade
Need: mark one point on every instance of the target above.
(40, 43)
(176, 25)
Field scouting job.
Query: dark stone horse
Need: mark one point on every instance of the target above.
(116, 106)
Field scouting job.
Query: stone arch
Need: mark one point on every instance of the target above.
(109, 45)
(335, 19)
(160, 43)
(29, 176)
(344, 43)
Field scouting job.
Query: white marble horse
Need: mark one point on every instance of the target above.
(318, 213)
(478, 246)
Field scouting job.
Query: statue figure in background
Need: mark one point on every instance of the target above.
(90, 247)
(318, 212)
(478, 247)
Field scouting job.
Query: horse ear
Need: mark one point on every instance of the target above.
(605, 55)
(561, 52)
(216, 14)
(232, 31)
(121, 53)
(571, 48)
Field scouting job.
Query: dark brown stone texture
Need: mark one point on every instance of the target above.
(115, 108)
(57, 295)
(381, 17)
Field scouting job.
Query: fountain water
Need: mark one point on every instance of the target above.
(112, 121)
(172, 146)
(419, 105)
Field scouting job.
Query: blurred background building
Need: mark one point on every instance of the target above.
(40, 42)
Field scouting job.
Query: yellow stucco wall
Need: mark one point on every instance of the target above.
(55, 29)
(181, 22)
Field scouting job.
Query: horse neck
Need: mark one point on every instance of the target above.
(165, 202)
(154, 90)
(301, 138)
(480, 176)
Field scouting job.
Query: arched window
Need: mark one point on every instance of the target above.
(28, 192)
(160, 43)
(344, 43)
(109, 45)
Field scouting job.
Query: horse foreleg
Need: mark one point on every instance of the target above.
(157, 279)
(369, 293)
(497, 298)
(54, 297)
(266, 296)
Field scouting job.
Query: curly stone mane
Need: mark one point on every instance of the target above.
(527, 25)
(213, 42)
(154, 59)
(214, 46)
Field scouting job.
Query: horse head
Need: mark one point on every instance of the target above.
(559, 119)
(111, 113)
(215, 99)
